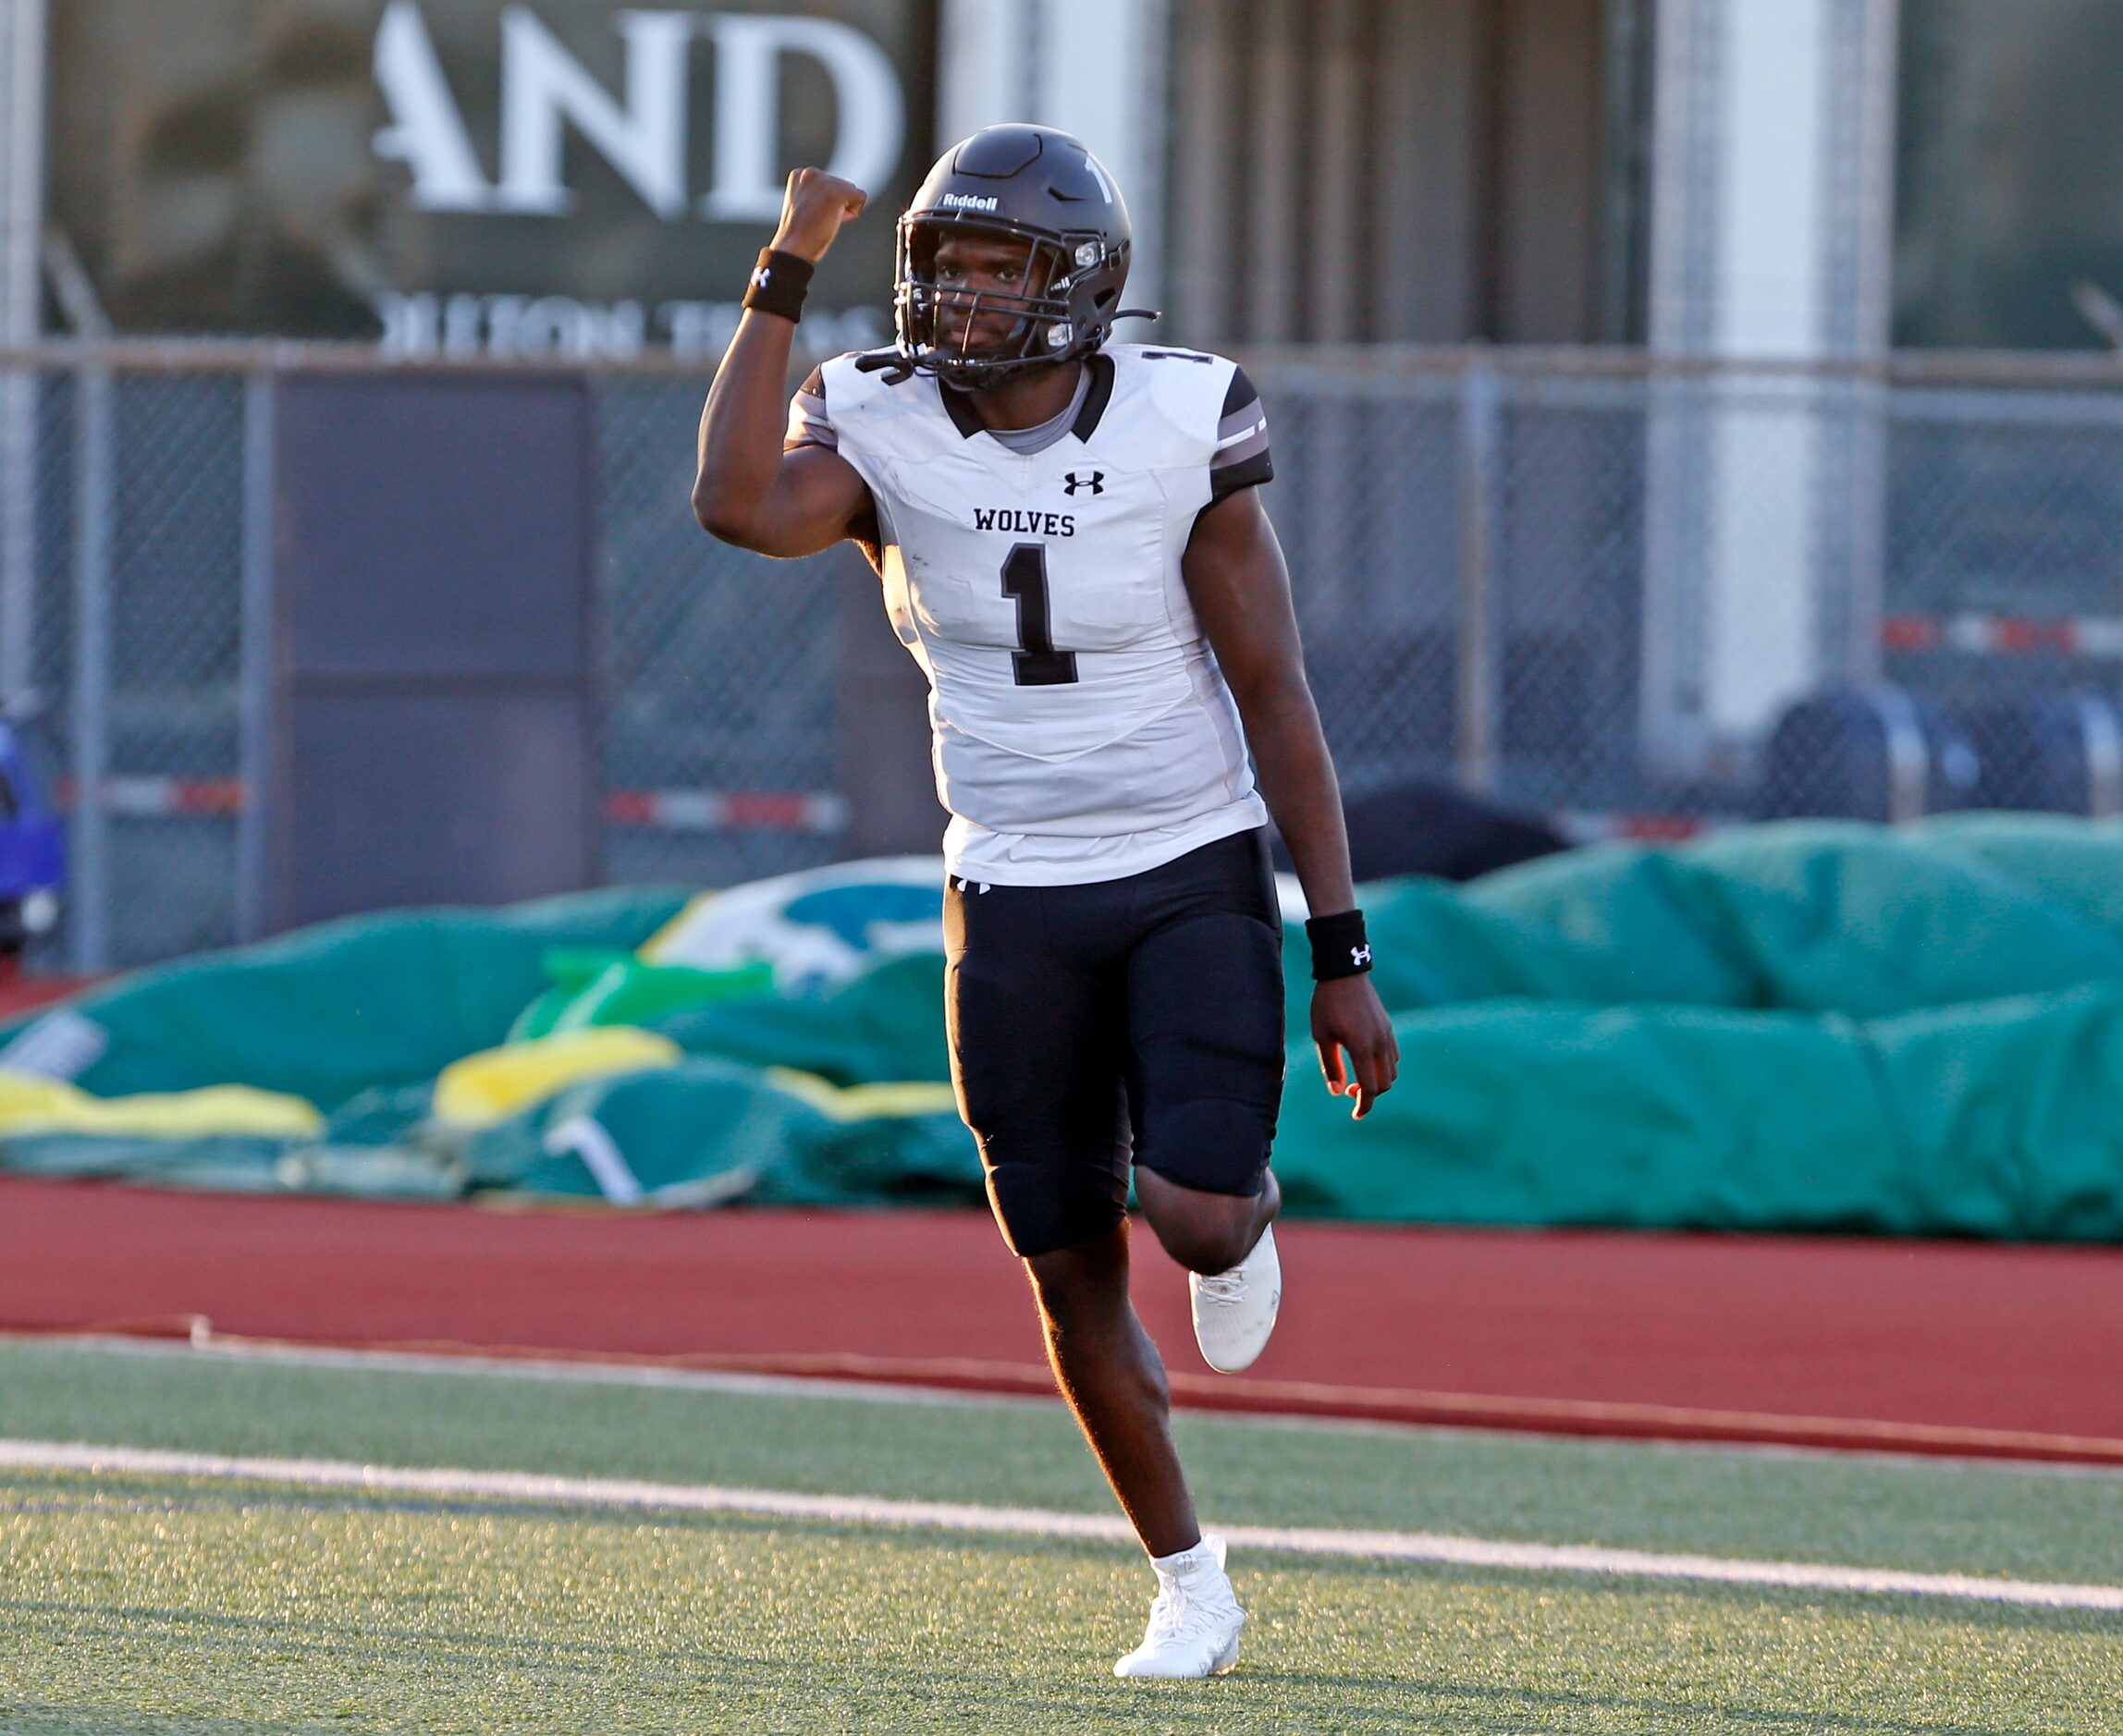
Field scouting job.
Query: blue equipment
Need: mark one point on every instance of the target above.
(33, 851)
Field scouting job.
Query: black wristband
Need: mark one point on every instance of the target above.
(1339, 947)
(779, 283)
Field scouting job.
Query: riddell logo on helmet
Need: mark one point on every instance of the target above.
(969, 201)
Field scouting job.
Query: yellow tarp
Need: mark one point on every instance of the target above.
(484, 1089)
(861, 1103)
(31, 1106)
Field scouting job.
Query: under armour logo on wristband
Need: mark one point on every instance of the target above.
(777, 284)
(1360, 956)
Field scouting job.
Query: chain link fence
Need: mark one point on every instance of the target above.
(719, 666)
(1641, 598)
(1647, 598)
(129, 576)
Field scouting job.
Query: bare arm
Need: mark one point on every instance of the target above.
(748, 491)
(1241, 592)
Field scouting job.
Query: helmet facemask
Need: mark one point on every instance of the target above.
(1062, 311)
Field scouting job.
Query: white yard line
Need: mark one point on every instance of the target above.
(214, 1346)
(1028, 1521)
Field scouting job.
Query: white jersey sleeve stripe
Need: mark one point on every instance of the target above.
(1241, 458)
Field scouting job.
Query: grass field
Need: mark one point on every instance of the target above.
(148, 1603)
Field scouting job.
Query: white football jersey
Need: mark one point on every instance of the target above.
(1082, 728)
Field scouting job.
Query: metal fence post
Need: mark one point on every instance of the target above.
(88, 913)
(17, 543)
(254, 678)
(1477, 745)
(1853, 533)
(22, 157)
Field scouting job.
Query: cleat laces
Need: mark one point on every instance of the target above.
(1176, 1618)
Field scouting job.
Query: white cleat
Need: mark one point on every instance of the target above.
(1194, 1623)
(1235, 1310)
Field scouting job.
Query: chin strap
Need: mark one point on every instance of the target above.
(898, 369)
(902, 368)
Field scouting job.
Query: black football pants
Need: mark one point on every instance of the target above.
(1137, 1017)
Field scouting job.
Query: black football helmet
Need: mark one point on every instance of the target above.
(1028, 184)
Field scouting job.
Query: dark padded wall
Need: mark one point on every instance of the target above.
(433, 713)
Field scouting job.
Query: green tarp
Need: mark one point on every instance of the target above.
(349, 1006)
(1803, 1026)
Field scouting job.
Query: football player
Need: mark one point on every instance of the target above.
(1073, 547)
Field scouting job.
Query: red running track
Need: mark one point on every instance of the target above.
(19, 994)
(1941, 1347)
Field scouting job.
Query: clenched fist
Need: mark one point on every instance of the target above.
(814, 207)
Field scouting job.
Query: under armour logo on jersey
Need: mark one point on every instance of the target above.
(1095, 482)
(1360, 957)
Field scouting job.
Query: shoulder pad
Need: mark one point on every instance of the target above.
(848, 383)
(1187, 387)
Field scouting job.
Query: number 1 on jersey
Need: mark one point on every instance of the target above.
(1024, 580)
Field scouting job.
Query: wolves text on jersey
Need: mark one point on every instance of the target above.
(1023, 523)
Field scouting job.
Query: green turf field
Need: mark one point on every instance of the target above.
(133, 1603)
